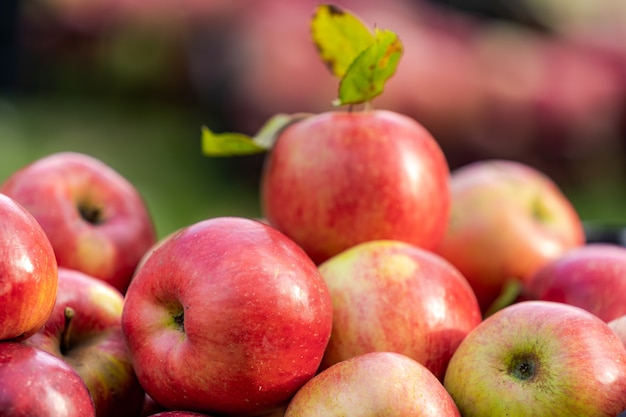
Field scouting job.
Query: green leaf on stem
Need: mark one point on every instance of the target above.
(339, 37)
(366, 77)
(362, 59)
(239, 144)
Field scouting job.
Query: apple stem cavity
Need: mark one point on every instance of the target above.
(92, 214)
(66, 337)
(523, 367)
(179, 320)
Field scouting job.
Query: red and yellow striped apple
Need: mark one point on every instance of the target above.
(28, 272)
(340, 178)
(393, 296)
(226, 316)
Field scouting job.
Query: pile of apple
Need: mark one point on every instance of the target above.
(377, 283)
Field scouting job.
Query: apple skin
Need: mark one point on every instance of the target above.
(592, 277)
(539, 358)
(92, 342)
(339, 178)
(96, 220)
(393, 296)
(40, 384)
(507, 220)
(373, 384)
(226, 316)
(28, 272)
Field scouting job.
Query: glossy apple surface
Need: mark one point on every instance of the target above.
(392, 296)
(226, 316)
(376, 384)
(28, 272)
(339, 178)
(592, 277)
(507, 220)
(95, 218)
(36, 383)
(85, 330)
(539, 358)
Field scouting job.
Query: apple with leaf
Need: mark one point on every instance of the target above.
(343, 177)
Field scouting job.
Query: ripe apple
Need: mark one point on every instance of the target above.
(373, 384)
(36, 383)
(226, 316)
(28, 272)
(85, 330)
(592, 277)
(94, 217)
(539, 358)
(339, 178)
(507, 220)
(393, 296)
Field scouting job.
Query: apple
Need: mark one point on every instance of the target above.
(393, 296)
(375, 384)
(507, 220)
(539, 358)
(340, 178)
(85, 330)
(95, 218)
(28, 272)
(36, 383)
(226, 316)
(592, 277)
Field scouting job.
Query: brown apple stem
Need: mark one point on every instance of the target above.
(66, 334)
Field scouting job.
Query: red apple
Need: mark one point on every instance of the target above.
(226, 316)
(94, 217)
(85, 330)
(539, 358)
(592, 277)
(28, 272)
(507, 220)
(341, 178)
(36, 383)
(374, 384)
(392, 296)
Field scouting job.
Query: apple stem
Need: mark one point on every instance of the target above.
(69, 314)
(511, 290)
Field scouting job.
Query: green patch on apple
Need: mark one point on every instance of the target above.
(362, 59)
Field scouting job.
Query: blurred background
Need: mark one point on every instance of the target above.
(131, 82)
